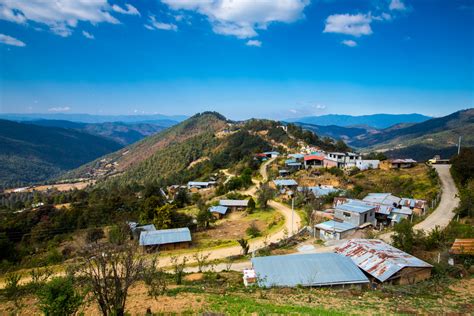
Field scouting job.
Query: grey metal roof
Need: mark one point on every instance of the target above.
(218, 209)
(403, 210)
(294, 164)
(377, 258)
(296, 156)
(148, 228)
(320, 190)
(316, 269)
(285, 182)
(338, 227)
(164, 236)
(290, 161)
(231, 203)
(355, 206)
(382, 198)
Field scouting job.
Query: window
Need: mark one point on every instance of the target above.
(346, 214)
(365, 217)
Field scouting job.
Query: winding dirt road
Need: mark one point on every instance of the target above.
(444, 213)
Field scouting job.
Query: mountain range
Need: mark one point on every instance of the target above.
(372, 121)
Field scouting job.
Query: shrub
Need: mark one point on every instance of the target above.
(58, 297)
(94, 235)
(253, 231)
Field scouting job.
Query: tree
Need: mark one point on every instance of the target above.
(201, 259)
(251, 206)
(178, 268)
(163, 216)
(182, 198)
(148, 208)
(94, 234)
(58, 297)
(109, 271)
(405, 238)
(119, 234)
(245, 245)
(462, 167)
(253, 230)
(264, 195)
(204, 217)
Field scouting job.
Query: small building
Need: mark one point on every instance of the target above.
(397, 164)
(218, 211)
(364, 164)
(385, 263)
(298, 157)
(382, 199)
(320, 190)
(356, 213)
(419, 207)
(316, 269)
(283, 172)
(271, 154)
(285, 183)
(294, 166)
(341, 160)
(313, 161)
(234, 205)
(333, 230)
(200, 185)
(462, 247)
(165, 239)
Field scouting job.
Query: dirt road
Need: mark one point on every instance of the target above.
(444, 213)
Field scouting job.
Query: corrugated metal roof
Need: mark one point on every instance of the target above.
(409, 160)
(403, 210)
(147, 228)
(355, 206)
(317, 269)
(377, 258)
(198, 184)
(322, 190)
(382, 198)
(287, 161)
(294, 164)
(230, 203)
(218, 209)
(463, 247)
(338, 227)
(164, 236)
(413, 203)
(313, 157)
(285, 182)
(296, 156)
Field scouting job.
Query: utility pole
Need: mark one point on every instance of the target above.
(292, 213)
(459, 145)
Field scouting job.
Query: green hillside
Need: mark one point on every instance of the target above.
(30, 153)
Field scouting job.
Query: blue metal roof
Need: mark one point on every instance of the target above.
(285, 182)
(290, 161)
(336, 226)
(355, 206)
(316, 269)
(296, 156)
(218, 209)
(148, 228)
(164, 236)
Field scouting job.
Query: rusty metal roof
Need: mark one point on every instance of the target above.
(463, 247)
(379, 259)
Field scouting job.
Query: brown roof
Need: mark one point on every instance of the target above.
(463, 247)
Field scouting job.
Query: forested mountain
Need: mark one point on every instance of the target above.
(423, 140)
(374, 120)
(120, 132)
(195, 148)
(30, 153)
(336, 132)
(159, 119)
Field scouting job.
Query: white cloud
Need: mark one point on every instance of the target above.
(154, 24)
(59, 109)
(355, 25)
(8, 40)
(242, 18)
(397, 5)
(88, 35)
(254, 43)
(61, 16)
(130, 9)
(349, 43)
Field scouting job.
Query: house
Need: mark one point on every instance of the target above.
(294, 165)
(341, 160)
(356, 212)
(364, 164)
(333, 230)
(320, 190)
(397, 164)
(462, 247)
(165, 239)
(285, 183)
(200, 185)
(385, 263)
(419, 207)
(218, 211)
(271, 154)
(234, 205)
(316, 269)
(382, 199)
(283, 172)
(297, 157)
(313, 161)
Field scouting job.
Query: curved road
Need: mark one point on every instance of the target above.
(444, 213)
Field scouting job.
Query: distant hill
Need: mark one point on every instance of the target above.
(30, 153)
(122, 133)
(375, 121)
(158, 119)
(423, 140)
(193, 149)
(336, 132)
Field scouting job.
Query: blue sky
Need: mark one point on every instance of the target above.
(262, 58)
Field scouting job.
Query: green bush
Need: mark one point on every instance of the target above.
(253, 231)
(59, 297)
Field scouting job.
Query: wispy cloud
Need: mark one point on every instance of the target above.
(349, 43)
(60, 16)
(153, 24)
(59, 109)
(255, 43)
(242, 18)
(129, 9)
(397, 5)
(88, 35)
(8, 40)
(355, 25)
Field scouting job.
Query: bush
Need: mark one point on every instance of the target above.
(94, 235)
(253, 231)
(58, 297)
